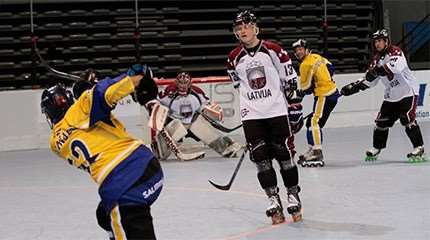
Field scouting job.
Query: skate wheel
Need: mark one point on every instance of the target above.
(370, 158)
(417, 159)
(278, 218)
(297, 217)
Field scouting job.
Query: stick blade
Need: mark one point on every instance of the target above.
(223, 188)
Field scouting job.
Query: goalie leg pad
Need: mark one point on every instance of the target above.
(161, 148)
(204, 130)
(176, 129)
(158, 117)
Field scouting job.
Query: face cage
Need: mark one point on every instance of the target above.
(183, 85)
(247, 25)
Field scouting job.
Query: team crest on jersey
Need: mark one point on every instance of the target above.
(256, 77)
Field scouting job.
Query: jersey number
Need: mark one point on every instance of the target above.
(78, 149)
(289, 69)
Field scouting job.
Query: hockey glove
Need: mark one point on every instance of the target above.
(137, 69)
(295, 116)
(294, 96)
(371, 75)
(89, 78)
(147, 89)
(353, 88)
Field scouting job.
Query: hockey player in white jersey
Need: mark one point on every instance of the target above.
(260, 69)
(389, 66)
(189, 111)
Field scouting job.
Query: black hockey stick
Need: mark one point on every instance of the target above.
(228, 186)
(57, 73)
(39, 56)
(220, 127)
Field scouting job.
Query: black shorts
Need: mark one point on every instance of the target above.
(390, 112)
(268, 130)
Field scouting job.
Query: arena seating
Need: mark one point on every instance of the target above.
(174, 35)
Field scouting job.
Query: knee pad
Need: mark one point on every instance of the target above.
(259, 151)
(281, 152)
(384, 123)
(103, 219)
(266, 174)
(380, 136)
(414, 133)
(290, 176)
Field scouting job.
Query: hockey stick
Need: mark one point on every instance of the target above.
(175, 149)
(220, 127)
(57, 73)
(228, 186)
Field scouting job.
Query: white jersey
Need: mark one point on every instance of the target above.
(399, 81)
(183, 107)
(260, 76)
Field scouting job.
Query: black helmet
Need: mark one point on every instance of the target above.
(245, 17)
(55, 102)
(300, 43)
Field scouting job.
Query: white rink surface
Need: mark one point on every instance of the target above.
(43, 198)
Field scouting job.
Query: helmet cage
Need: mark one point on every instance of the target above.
(183, 83)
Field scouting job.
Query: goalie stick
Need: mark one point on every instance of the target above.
(228, 186)
(175, 149)
(220, 127)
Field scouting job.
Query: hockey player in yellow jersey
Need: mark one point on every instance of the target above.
(315, 78)
(89, 137)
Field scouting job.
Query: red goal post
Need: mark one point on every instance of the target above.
(197, 80)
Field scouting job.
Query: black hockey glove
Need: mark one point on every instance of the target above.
(294, 96)
(353, 88)
(380, 71)
(371, 75)
(89, 78)
(147, 89)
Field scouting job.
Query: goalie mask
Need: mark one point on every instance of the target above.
(244, 19)
(55, 102)
(183, 83)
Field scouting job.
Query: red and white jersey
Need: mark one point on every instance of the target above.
(260, 76)
(183, 107)
(399, 81)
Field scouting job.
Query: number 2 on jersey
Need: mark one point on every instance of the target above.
(79, 150)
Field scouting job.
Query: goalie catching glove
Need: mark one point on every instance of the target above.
(147, 89)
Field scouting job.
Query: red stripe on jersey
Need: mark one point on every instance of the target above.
(281, 53)
(232, 56)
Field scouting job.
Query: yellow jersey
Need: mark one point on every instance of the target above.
(89, 137)
(315, 76)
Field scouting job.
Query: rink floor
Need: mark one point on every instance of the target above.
(44, 198)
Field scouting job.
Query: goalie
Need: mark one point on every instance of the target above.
(184, 111)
